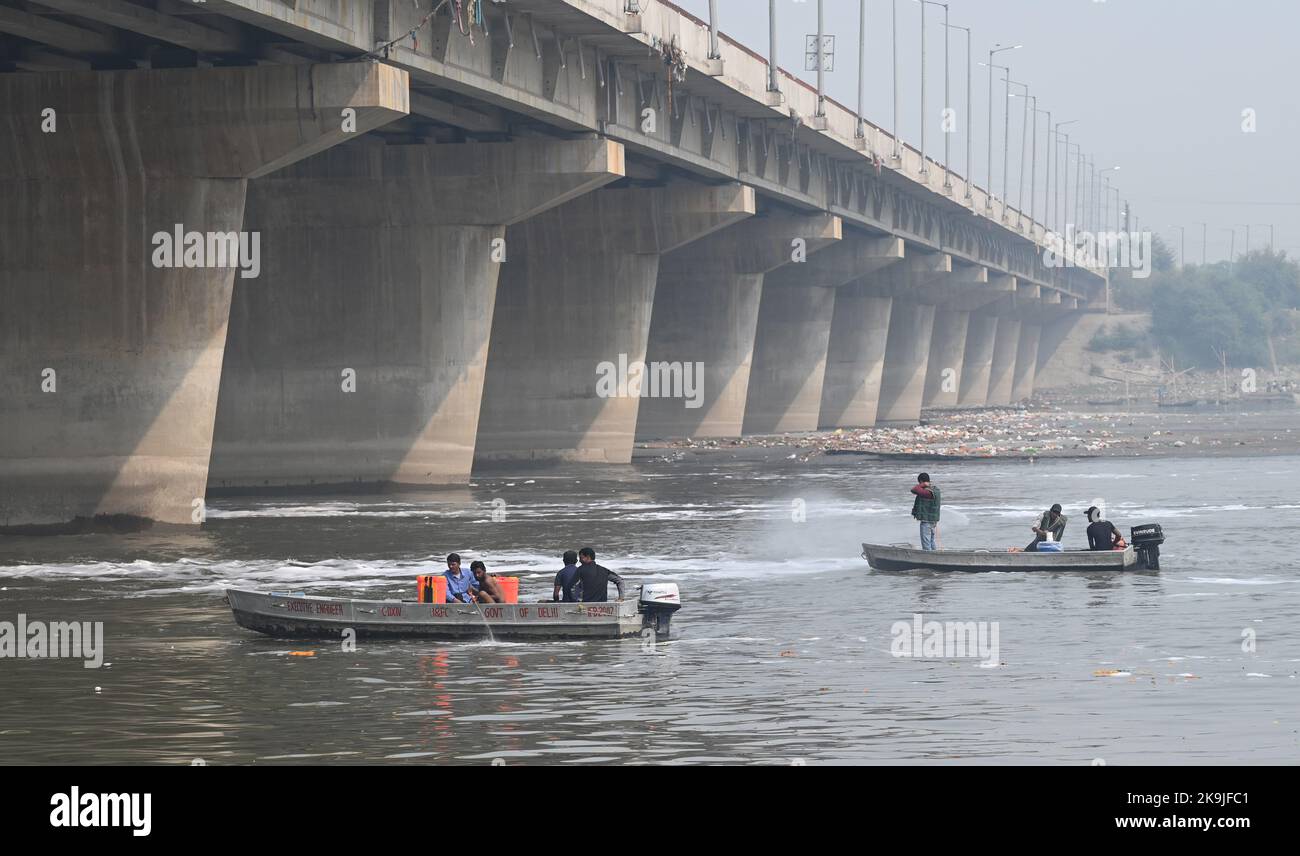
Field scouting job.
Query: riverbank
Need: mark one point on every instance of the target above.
(1031, 432)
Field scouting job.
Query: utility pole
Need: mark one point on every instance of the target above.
(970, 118)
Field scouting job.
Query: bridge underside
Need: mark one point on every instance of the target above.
(237, 254)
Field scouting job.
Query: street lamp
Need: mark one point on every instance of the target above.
(1062, 182)
(1232, 246)
(1100, 200)
(997, 49)
(925, 168)
(1024, 127)
(970, 179)
(1033, 171)
(1182, 245)
(1204, 228)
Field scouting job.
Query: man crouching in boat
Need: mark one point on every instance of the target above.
(925, 508)
(594, 579)
(487, 590)
(1052, 524)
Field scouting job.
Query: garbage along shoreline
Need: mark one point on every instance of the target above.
(1018, 433)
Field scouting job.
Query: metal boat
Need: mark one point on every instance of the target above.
(302, 616)
(889, 558)
(1143, 553)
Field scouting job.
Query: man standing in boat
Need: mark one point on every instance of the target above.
(594, 579)
(925, 508)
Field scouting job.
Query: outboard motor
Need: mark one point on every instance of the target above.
(1146, 540)
(658, 602)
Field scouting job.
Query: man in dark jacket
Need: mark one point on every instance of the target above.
(595, 579)
(925, 508)
(1051, 523)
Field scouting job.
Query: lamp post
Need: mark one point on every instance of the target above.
(997, 49)
(862, 74)
(1182, 245)
(1270, 234)
(821, 63)
(1065, 168)
(898, 154)
(714, 53)
(1232, 244)
(1102, 195)
(1204, 228)
(1024, 127)
(772, 81)
(924, 166)
(970, 119)
(1047, 169)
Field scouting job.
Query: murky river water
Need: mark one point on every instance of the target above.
(780, 654)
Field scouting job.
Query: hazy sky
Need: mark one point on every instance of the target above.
(1158, 87)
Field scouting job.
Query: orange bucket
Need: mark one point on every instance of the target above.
(509, 588)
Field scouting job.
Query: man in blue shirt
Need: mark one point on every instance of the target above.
(460, 583)
(566, 578)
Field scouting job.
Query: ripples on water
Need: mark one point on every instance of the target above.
(781, 652)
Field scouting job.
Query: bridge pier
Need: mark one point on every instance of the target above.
(706, 309)
(793, 343)
(947, 357)
(111, 348)
(927, 280)
(1022, 385)
(573, 318)
(977, 362)
(856, 358)
(1003, 368)
(361, 358)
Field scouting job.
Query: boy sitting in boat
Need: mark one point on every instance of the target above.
(487, 590)
(1102, 534)
(461, 585)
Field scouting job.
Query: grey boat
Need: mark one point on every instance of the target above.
(1142, 553)
(302, 616)
(887, 558)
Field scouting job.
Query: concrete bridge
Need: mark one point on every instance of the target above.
(453, 230)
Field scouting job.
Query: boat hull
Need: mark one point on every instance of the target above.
(886, 558)
(312, 617)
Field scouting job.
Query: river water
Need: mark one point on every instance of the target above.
(781, 653)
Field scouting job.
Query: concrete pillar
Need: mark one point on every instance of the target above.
(794, 330)
(360, 358)
(947, 357)
(977, 362)
(1002, 371)
(706, 313)
(907, 357)
(1022, 387)
(856, 358)
(573, 319)
(110, 353)
(785, 386)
